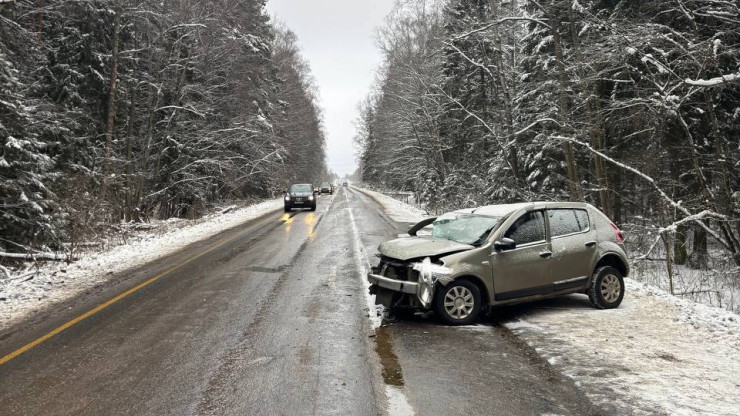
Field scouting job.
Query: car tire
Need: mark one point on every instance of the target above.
(607, 288)
(287, 208)
(313, 208)
(447, 305)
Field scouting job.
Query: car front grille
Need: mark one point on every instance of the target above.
(396, 269)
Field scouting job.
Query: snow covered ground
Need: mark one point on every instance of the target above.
(54, 282)
(718, 286)
(398, 211)
(658, 353)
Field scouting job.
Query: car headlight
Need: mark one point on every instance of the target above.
(287, 197)
(310, 197)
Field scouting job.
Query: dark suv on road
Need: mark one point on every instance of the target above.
(300, 195)
(502, 254)
(326, 188)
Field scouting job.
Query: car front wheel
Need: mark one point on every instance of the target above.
(287, 208)
(458, 303)
(607, 288)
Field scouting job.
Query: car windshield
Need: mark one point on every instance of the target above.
(464, 228)
(301, 188)
(325, 184)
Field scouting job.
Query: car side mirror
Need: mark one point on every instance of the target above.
(504, 244)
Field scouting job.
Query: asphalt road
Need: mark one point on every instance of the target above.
(272, 318)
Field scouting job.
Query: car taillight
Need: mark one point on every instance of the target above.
(617, 233)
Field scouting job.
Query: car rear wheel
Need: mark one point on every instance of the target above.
(458, 303)
(607, 288)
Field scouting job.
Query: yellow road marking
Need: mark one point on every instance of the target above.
(100, 307)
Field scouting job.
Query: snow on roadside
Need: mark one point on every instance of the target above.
(656, 353)
(398, 211)
(56, 282)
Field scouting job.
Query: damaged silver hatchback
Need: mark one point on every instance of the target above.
(502, 254)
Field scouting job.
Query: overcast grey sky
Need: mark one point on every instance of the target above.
(338, 40)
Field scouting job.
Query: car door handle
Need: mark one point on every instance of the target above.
(591, 244)
(546, 254)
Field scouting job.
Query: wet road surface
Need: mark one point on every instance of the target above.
(272, 319)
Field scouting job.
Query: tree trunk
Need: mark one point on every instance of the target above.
(498, 54)
(595, 121)
(130, 199)
(598, 140)
(574, 185)
(110, 124)
(699, 258)
(679, 245)
(668, 259)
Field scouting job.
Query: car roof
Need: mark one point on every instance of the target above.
(502, 210)
(306, 184)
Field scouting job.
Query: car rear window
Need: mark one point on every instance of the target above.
(567, 221)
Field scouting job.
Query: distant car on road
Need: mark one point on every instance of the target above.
(344, 183)
(503, 254)
(326, 188)
(300, 195)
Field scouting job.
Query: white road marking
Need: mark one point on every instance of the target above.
(363, 266)
(398, 403)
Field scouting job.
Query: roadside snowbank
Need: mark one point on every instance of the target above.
(56, 282)
(658, 353)
(398, 211)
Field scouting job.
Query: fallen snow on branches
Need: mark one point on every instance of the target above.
(27, 291)
(724, 79)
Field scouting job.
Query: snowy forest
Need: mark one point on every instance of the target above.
(633, 106)
(121, 111)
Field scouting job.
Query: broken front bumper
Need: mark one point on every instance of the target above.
(422, 291)
(393, 284)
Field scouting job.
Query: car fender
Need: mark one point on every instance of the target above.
(609, 248)
(473, 265)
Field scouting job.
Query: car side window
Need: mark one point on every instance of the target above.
(528, 228)
(567, 221)
(582, 217)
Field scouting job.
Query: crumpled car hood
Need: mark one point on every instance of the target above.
(417, 247)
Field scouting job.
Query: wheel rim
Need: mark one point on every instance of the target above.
(459, 302)
(610, 288)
